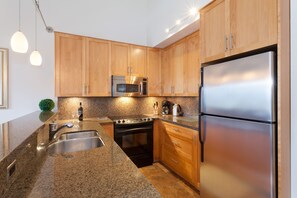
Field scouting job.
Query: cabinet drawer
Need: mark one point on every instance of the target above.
(182, 147)
(177, 164)
(179, 131)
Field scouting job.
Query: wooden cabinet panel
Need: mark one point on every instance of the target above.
(120, 59)
(166, 72)
(230, 27)
(213, 31)
(108, 128)
(98, 68)
(69, 64)
(253, 24)
(157, 143)
(193, 65)
(138, 60)
(179, 61)
(154, 71)
(180, 151)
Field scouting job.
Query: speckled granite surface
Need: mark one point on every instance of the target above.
(191, 122)
(101, 172)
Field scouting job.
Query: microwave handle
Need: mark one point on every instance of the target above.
(141, 88)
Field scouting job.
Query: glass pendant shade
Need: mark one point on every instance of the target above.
(35, 58)
(19, 42)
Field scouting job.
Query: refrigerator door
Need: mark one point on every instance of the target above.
(242, 88)
(238, 158)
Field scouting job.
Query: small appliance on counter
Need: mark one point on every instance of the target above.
(165, 107)
(176, 110)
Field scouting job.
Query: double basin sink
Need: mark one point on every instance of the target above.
(75, 141)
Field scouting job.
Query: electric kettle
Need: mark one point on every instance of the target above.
(176, 110)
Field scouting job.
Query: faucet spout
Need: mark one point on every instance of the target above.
(53, 130)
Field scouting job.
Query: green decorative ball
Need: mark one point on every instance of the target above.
(46, 105)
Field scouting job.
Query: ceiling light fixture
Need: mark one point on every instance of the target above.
(35, 57)
(49, 29)
(182, 23)
(18, 41)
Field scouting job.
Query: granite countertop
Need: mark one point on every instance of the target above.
(101, 172)
(191, 122)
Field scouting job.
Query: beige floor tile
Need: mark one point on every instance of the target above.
(167, 183)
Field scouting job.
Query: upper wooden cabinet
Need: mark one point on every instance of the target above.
(138, 60)
(82, 66)
(128, 60)
(230, 27)
(120, 59)
(97, 72)
(154, 71)
(69, 64)
(181, 67)
(193, 64)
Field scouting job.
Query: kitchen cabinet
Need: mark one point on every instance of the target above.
(180, 151)
(108, 128)
(97, 71)
(69, 64)
(120, 59)
(230, 27)
(128, 60)
(166, 72)
(82, 66)
(154, 71)
(157, 143)
(193, 64)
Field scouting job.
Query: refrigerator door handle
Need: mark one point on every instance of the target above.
(201, 139)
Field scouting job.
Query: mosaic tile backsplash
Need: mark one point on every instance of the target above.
(99, 107)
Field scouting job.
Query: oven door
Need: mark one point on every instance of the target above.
(136, 142)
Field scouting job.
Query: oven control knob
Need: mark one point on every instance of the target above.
(123, 121)
(119, 121)
(144, 119)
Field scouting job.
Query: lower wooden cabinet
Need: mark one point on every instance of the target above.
(108, 128)
(179, 150)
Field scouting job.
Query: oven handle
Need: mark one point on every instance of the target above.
(132, 130)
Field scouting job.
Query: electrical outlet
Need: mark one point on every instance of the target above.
(10, 170)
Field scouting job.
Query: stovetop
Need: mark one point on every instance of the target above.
(131, 119)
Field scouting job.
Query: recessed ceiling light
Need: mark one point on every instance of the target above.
(177, 22)
(167, 30)
(193, 11)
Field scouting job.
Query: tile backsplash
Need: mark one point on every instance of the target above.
(98, 107)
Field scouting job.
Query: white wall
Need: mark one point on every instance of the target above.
(163, 14)
(117, 20)
(27, 84)
(293, 98)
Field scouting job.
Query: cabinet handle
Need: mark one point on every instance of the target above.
(226, 43)
(131, 71)
(174, 160)
(231, 42)
(128, 70)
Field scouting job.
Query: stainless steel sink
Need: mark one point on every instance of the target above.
(79, 134)
(75, 141)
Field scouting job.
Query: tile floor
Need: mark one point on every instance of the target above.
(167, 183)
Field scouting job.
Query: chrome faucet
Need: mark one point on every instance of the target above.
(53, 129)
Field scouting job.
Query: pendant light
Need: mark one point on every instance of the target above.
(35, 57)
(19, 42)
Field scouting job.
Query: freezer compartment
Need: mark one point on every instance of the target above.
(242, 88)
(239, 158)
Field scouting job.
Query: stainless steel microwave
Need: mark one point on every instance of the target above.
(129, 86)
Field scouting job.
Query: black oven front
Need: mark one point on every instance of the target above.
(136, 140)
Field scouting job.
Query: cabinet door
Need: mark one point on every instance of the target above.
(69, 64)
(253, 24)
(98, 68)
(138, 60)
(154, 71)
(119, 59)
(109, 129)
(193, 64)
(166, 72)
(179, 62)
(213, 31)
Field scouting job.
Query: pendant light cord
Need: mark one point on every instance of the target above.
(35, 29)
(19, 15)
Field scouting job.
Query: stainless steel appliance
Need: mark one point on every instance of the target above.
(134, 134)
(129, 86)
(237, 128)
(165, 107)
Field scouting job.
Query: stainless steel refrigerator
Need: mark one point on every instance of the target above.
(237, 128)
